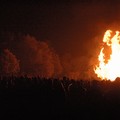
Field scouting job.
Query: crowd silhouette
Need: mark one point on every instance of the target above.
(59, 98)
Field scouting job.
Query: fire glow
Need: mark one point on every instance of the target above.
(109, 70)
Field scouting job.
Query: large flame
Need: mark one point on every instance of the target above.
(109, 70)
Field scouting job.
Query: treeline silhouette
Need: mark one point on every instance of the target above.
(59, 98)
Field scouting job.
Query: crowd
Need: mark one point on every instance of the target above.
(56, 98)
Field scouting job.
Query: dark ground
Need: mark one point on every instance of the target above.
(40, 98)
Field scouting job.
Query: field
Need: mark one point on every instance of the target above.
(23, 97)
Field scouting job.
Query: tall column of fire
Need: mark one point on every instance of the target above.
(109, 70)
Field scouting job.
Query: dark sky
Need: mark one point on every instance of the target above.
(69, 26)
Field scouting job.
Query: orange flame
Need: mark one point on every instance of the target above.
(111, 69)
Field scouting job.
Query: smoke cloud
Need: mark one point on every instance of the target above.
(38, 58)
(9, 64)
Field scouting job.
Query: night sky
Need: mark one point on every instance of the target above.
(70, 27)
(65, 24)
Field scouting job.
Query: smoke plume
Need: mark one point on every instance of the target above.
(9, 64)
(38, 58)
